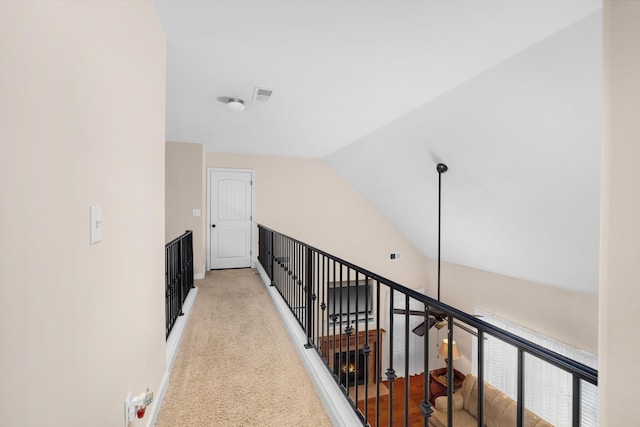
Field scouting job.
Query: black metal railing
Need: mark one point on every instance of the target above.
(178, 276)
(338, 305)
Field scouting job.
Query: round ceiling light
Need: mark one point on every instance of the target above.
(236, 105)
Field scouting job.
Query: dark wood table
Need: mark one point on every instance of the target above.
(438, 383)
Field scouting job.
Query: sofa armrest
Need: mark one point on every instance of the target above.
(458, 402)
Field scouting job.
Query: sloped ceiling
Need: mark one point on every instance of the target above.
(522, 143)
(506, 93)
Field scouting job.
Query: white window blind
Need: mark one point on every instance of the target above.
(548, 390)
(416, 344)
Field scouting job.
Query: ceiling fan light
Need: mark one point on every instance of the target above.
(236, 105)
(441, 324)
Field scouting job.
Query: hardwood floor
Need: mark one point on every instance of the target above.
(415, 418)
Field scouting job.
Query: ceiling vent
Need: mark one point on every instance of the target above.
(262, 94)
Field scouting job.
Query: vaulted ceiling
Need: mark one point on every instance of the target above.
(506, 93)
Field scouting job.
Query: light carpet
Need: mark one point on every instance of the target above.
(237, 365)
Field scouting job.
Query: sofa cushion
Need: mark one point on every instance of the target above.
(467, 385)
(530, 419)
(495, 406)
(458, 402)
(499, 409)
(491, 395)
(461, 418)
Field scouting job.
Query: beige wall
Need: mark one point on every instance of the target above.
(82, 89)
(308, 200)
(185, 191)
(620, 214)
(564, 315)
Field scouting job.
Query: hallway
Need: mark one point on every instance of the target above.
(236, 365)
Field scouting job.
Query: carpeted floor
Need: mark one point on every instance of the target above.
(236, 365)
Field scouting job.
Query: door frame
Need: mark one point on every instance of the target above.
(253, 243)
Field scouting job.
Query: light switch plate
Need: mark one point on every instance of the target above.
(96, 224)
(196, 212)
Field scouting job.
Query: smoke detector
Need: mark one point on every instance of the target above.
(262, 94)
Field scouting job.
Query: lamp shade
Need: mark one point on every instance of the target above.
(444, 349)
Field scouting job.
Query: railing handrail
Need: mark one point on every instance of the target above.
(178, 276)
(179, 238)
(582, 371)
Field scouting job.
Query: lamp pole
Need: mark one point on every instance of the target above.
(441, 168)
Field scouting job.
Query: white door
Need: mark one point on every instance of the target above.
(230, 219)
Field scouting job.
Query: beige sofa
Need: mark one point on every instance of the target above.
(499, 409)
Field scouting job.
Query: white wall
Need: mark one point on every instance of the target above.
(620, 228)
(82, 89)
(522, 142)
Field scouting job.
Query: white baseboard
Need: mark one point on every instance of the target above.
(198, 275)
(338, 409)
(175, 337)
(172, 346)
(155, 408)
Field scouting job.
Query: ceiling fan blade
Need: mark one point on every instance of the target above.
(411, 312)
(421, 329)
(436, 318)
(437, 314)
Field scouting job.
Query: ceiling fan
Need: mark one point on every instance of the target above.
(436, 318)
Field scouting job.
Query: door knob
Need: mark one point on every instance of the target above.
(213, 226)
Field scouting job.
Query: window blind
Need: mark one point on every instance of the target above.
(548, 390)
(416, 345)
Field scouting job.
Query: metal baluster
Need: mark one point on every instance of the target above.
(520, 413)
(480, 378)
(391, 374)
(425, 406)
(406, 360)
(357, 349)
(348, 330)
(450, 372)
(378, 360)
(309, 307)
(366, 350)
(575, 410)
(333, 320)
